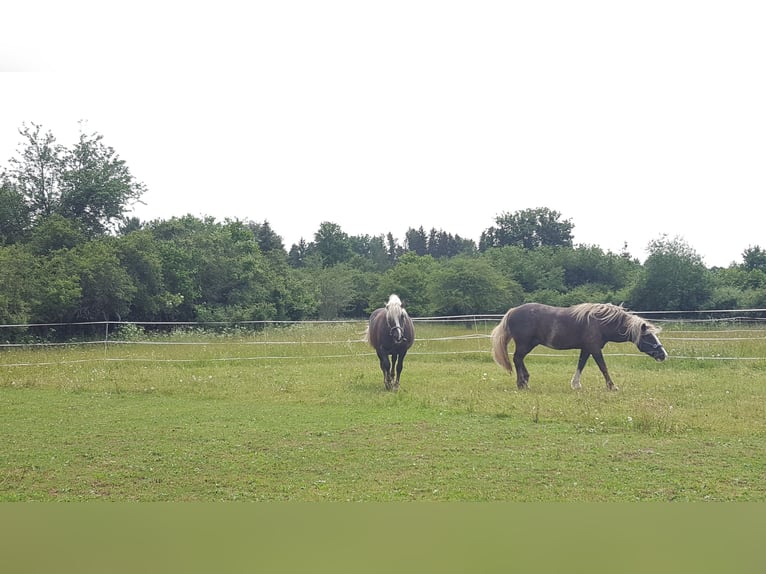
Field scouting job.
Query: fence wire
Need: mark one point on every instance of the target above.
(721, 335)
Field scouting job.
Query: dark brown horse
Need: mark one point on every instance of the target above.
(391, 333)
(588, 327)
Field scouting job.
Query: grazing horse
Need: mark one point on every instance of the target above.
(588, 327)
(390, 332)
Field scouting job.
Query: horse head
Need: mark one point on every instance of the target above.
(650, 344)
(395, 316)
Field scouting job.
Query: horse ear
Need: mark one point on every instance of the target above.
(643, 328)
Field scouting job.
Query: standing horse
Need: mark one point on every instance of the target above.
(588, 327)
(390, 332)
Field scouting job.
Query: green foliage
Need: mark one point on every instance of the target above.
(59, 208)
(141, 257)
(96, 185)
(14, 214)
(370, 253)
(534, 270)
(88, 184)
(36, 173)
(754, 258)
(267, 239)
(673, 278)
(470, 285)
(331, 244)
(530, 229)
(334, 288)
(53, 233)
(416, 241)
(55, 290)
(443, 244)
(588, 265)
(410, 280)
(106, 288)
(15, 295)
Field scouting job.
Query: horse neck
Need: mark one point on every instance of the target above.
(617, 325)
(623, 331)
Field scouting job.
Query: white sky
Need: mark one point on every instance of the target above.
(633, 120)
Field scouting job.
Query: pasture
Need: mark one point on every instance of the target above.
(299, 413)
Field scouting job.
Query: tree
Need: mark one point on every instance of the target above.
(443, 244)
(674, 278)
(107, 290)
(96, 185)
(410, 280)
(369, 252)
(332, 244)
(140, 256)
(89, 183)
(754, 258)
(36, 174)
(299, 253)
(334, 290)
(267, 239)
(393, 248)
(14, 214)
(53, 233)
(467, 285)
(15, 295)
(585, 265)
(535, 270)
(235, 281)
(55, 288)
(528, 228)
(416, 241)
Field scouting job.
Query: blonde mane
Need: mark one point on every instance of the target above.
(608, 313)
(394, 310)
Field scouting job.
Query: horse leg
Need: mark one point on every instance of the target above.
(598, 356)
(522, 375)
(385, 366)
(392, 373)
(580, 366)
(399, 366)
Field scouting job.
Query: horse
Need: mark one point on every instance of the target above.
(587, 326)
(391, 333)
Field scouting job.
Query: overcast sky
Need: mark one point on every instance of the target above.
(633, 120)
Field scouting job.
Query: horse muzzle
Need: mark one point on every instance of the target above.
(659, 354)
(654, 350)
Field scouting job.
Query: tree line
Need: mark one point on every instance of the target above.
(69, 253)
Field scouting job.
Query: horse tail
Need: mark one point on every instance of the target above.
(500, 337)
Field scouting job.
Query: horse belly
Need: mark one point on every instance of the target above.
(559, 336)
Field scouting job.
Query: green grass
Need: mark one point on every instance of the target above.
(236, 417)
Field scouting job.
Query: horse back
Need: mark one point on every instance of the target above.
(534, 324)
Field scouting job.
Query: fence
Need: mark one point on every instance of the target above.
(732, 335)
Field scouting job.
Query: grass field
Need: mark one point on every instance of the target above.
(301, 414)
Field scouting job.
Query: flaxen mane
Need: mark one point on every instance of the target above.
(394, 310)
(608, 313)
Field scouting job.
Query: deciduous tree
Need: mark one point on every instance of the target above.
(528, 228)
